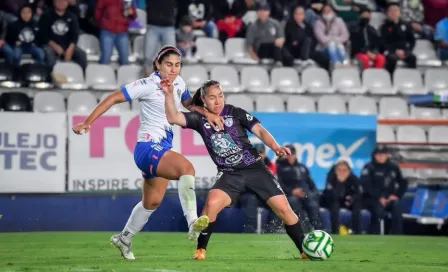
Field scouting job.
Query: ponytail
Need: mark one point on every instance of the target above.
(197, 99)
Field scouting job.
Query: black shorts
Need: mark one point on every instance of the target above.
(257, 179)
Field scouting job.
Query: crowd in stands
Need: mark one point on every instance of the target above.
(329, 33)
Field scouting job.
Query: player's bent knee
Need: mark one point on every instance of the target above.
(188, 169)
(151, 204)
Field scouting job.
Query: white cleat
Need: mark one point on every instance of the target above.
(125, 249)
(197, 226)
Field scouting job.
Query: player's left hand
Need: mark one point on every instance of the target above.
(282, 151)
(393, 198)
(167, 86)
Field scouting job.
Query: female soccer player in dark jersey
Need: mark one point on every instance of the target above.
(240, 167)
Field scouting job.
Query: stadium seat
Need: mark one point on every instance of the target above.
(7, 76)
(331, 104)
(227, 77)
(378, 81)
(241, 101)
(194, 76)
(122, 107)
(73, 73)
(433, 173)
(436, 79)
(101, 77)
(35, 75)
(301, 104)
(438, 135)
(425, 113)
(316, 80)
(15, 101)
(409, 173)
(255, 79)
(49, 101)
(385, 134)
(91, 45)
(377, 19)
(236, 51)
(115, 57)
(393, 108)
(411, 134)
(128, 73)
(425, 53)
(286, 79)
(409, 81)
(139, 47)
(362, 105)
(82, 101)
(347, 80)
(210, 50)
(269, 103)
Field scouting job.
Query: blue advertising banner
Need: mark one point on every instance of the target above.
(322, 139)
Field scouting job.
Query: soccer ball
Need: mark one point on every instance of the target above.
(318, 245)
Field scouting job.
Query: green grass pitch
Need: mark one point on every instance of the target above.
(91, 252)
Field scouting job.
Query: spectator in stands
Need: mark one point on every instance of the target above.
(5, 49)
(262, 150)
(413, 14)
(59, 31)
(228, 14)
(332, 34)
(398, 39)
(201, 12)
(265, 37)
(343, 191)
(114, 17)
(299, 36)
(383, 186)
(299, 187)
(441, 37)
(11, 8)
(161, 18)
(185, 37)
(366, 43)
(86, 15)
(22, 37)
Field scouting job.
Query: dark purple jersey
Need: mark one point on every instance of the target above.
(229, 149)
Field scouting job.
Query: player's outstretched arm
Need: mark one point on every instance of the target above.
(173, 116)
(114, 98)
(268, 140)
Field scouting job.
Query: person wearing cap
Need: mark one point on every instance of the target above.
(343, 190)
(303, 196)
(398, 39)
(265, 37)
(366, 42)
(383, 186)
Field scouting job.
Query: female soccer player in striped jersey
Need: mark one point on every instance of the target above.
(153, 154)
(240, 166)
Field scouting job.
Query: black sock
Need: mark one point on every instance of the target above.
(296, 234)
(204, 236)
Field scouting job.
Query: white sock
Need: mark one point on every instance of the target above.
(187, 196)
(136, 222)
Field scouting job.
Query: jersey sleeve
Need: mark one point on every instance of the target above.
(136, 89)
(192, 120)
(185, 95)
(247, 120)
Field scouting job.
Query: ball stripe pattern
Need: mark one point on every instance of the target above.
(318, 245)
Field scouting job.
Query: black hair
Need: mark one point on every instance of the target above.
(197, 101)
(164, 52)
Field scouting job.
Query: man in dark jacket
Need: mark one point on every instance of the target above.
(343, 191)
(398, 40)
(5, 49)
(366, 42)
(299, 187)
(59, 31)
(161, 19)
(383, 186)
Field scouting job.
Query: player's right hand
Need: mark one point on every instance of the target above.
(167, 86)
(81, 128)
(215, 121)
